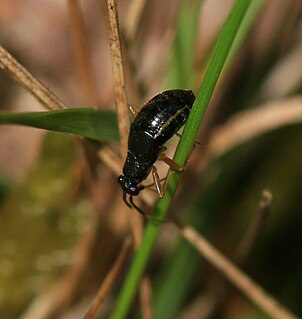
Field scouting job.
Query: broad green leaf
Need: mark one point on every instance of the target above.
(96, 124)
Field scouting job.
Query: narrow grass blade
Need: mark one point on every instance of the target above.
(181, 68)
(220, 53)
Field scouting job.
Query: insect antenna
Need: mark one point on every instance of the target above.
(132, 204)
(156, 220)
(125, 200)
(137, 208)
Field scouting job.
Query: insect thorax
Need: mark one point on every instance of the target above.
(142, 153)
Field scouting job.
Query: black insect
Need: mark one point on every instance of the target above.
(158, 120)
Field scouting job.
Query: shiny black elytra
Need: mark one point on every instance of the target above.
(158, 120)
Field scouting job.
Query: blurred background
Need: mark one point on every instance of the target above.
(61, 229)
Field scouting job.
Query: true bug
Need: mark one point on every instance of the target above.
(158, 120)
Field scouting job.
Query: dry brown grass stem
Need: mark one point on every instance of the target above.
(121, 100)
(145, 298)
(124, 128)
(207, 304)
(109, 281)
(89, 87)
(250, 124)
(246, 285)
(255, 227)
(109, 157)
(9, 64)
(133, 19)
(119, 88)
(46, 304)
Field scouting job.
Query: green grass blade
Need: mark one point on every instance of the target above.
(96, 124)
(174, 282)
(220, 53)
(180, 71)
(249, 19)
(168, 288)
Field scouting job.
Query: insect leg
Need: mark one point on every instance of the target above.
(176, 167)
(132, 110)
(191, 152)
(195, 142)
(177, 134)
(152, 184)
(156, 181)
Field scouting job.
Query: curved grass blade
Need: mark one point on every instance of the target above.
(100, 125)
(174, 282)
(219, 56)
(181, 68)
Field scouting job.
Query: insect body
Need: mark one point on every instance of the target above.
(158, 120)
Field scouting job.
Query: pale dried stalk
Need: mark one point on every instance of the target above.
(145, 298)
(9, 64)
(250, 124)
(124, 128)
(247, 286)
(108, 282)
(46, 304)
(256, 226)
(81, 51)
(121, 100)
(133, 19)
(287, 67)
(206, 304)
(111, 159)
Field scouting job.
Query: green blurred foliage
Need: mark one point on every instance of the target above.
(38, 228)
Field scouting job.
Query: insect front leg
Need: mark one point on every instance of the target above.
(132, 110)
(196, 143)
(152, 184)
(156, 181)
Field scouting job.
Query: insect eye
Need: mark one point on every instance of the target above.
(120, 179)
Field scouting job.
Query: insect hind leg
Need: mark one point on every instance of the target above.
(174, 166)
